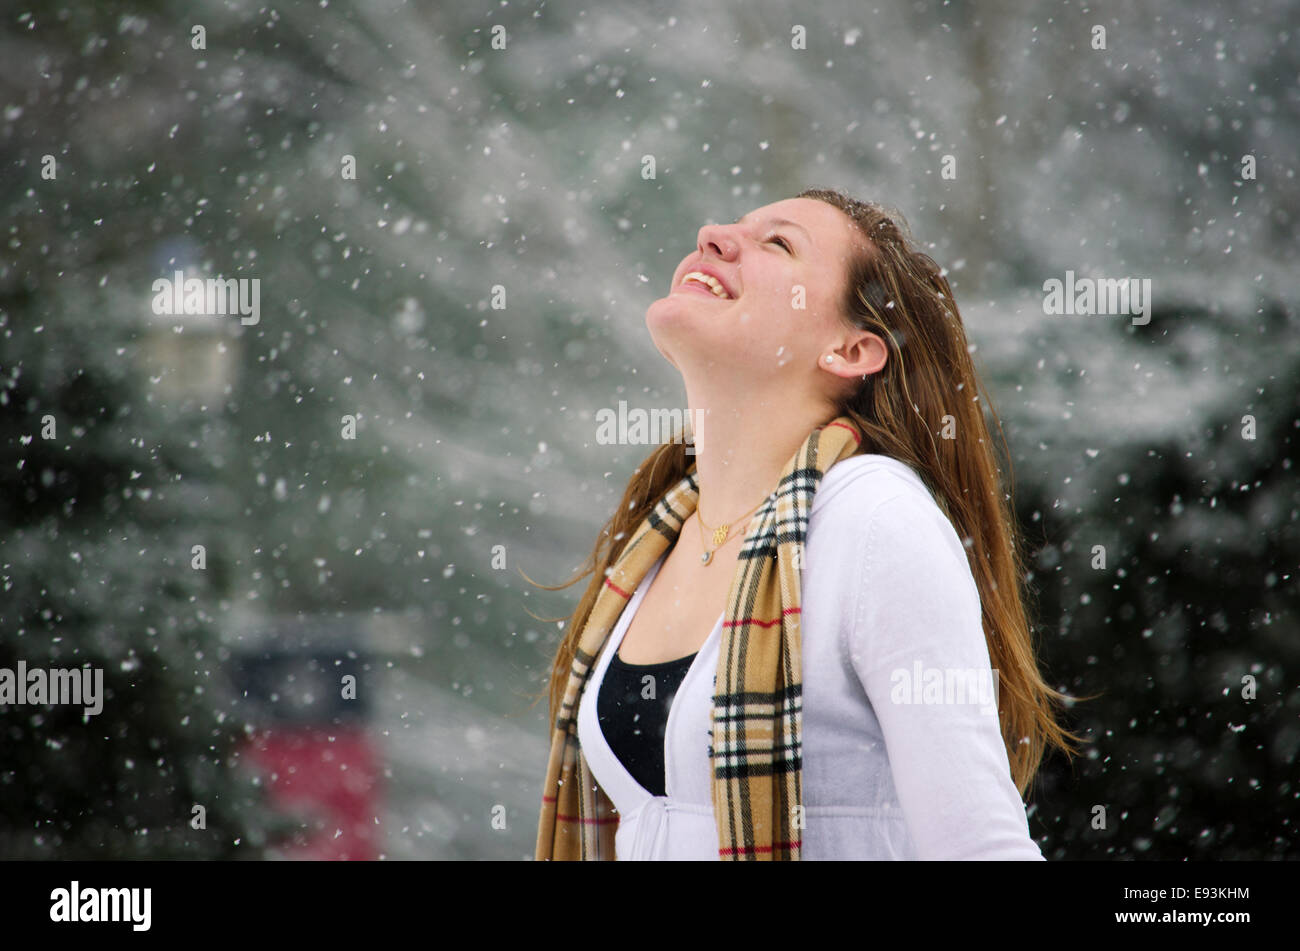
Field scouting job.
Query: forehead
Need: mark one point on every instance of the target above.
(829, 229)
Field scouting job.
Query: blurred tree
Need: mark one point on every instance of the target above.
(1166, 583)
(103, 507)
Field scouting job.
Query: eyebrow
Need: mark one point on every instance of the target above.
(782, 221)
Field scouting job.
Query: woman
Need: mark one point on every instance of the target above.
(787, 645)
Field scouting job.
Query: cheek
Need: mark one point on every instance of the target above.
(821, 307)
(779, 336)
(807, 320)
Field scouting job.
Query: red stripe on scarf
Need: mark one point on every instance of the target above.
(616, 589)
(759, 848)
(754, 620)
(594, 822)
(856, 438)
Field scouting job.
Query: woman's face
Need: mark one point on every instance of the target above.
(782, 269)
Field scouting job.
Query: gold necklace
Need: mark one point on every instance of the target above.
(720, 533)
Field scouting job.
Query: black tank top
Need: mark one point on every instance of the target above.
(633, 718)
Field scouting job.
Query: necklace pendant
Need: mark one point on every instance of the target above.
(720, 534)
(706, 557)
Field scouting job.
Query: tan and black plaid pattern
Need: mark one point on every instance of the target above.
(757, 703)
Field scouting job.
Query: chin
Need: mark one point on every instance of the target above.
(668, 317)
(677, 308)
(664, 305)
(686, 331)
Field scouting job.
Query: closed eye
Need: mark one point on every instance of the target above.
(777, 239)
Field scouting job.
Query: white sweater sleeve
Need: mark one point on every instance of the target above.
(917, 611)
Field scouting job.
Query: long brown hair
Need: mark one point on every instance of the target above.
(926, 408)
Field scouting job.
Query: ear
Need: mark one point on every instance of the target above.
(862, 356)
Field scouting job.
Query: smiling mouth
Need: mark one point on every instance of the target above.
(704, 282)
(692, 287)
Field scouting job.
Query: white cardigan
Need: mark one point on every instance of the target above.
(887, 595)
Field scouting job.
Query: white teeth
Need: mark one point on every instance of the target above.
(712, 283)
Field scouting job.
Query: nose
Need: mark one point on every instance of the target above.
(717, 240)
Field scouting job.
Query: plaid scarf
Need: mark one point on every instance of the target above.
(757, 705)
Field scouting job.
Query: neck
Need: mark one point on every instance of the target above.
(742, 445)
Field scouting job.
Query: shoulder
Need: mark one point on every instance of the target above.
(874, 489)
(867, 478)
(869, 505)
(895, 567)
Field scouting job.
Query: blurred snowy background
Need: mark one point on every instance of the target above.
(521, 167)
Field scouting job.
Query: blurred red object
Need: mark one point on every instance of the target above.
(330, 777)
